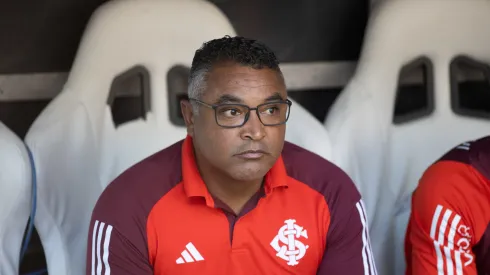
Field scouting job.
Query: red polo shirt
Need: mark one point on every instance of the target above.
(159, 218)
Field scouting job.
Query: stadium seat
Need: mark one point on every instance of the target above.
(15, 199)
(119, 105)
(128, 48)
(306, 131)
(436, 52)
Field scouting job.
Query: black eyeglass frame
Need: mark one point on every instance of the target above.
(247, 115)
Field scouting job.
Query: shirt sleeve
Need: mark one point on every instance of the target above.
(348, 247)
(446, 220)
(117, 241)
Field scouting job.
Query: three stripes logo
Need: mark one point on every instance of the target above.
(367, 254)
(101, 237)
(189, 255)
(451, 241)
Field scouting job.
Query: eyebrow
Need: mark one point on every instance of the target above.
(275, 97)
(227, 98)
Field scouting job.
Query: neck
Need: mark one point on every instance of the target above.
(232, 190)
(233, 193)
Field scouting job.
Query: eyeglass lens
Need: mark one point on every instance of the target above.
(230, 115)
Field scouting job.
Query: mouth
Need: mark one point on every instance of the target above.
(251, 154)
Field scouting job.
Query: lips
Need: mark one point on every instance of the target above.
(251, 154)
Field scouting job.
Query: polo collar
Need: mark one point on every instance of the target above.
(194, 185)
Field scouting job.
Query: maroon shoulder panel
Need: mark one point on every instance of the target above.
(475, 153)
(348, 249)
(117, 237)
(480, 156)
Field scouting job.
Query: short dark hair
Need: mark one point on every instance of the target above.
(238, 49)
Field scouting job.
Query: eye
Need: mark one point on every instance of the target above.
(231, 112)
(270, 110)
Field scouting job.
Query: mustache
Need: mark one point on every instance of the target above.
(256, 147)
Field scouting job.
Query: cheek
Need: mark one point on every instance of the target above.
(217, 142)
(276, 136)
(213, 141)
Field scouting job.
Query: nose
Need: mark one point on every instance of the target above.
(253, 128)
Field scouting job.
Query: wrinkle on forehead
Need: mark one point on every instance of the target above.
(250, 80)
(249, 85)
(230, 79)
(246, 86)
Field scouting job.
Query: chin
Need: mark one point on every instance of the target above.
(248, 173)
(246, 178)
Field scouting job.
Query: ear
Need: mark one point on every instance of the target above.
(188, 116)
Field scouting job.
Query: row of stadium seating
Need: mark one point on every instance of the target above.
(77, 147)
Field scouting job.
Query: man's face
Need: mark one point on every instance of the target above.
(225, 148)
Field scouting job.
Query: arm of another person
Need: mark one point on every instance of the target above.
(117, 242)
(348, 248)
(447, 220)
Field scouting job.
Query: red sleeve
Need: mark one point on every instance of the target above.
(348, 248)
(447, 220)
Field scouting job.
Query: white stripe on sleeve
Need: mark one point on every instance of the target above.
(101, 238)
(367, 258)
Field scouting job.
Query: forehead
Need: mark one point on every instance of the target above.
(243, 82)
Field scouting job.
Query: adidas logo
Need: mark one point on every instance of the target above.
(189, 255)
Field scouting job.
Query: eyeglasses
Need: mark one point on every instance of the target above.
(236, 115)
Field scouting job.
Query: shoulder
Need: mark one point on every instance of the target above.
(345, 218)
(455, 186)
(457, 179)
(475, 153)
(138, 189)
(321, 175)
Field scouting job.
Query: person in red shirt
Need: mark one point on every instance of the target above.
(233, 197)
(449, 227)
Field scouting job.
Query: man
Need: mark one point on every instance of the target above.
(232, 198)
(449, 227)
